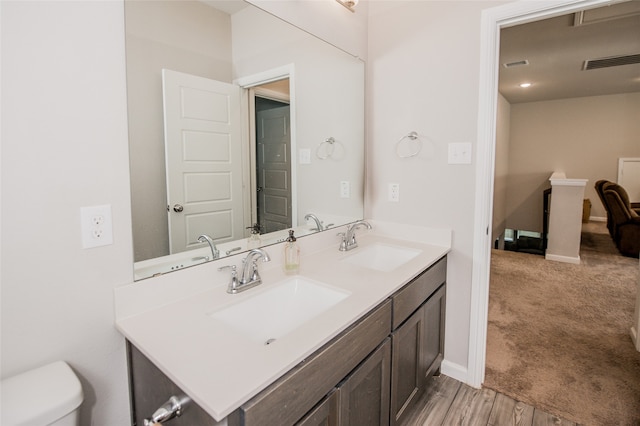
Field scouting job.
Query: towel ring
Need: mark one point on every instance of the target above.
(411, 136)
(329, 142)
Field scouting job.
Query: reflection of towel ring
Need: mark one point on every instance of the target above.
(411, 136)
(328, 148)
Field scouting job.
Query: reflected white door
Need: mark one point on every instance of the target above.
(273, 163)
(203, 160)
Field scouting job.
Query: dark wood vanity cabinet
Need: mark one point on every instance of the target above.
(361, 399)
(417, 347)
(370, 374)
(417, 338)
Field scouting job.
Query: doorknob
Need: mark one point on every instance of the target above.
(177, 208)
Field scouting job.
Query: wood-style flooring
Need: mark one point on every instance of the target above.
(449, 402)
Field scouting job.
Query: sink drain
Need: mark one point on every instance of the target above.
(270, 341)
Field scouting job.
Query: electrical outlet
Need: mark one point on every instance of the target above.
(394, 192)
(345, 189)
(97, 229)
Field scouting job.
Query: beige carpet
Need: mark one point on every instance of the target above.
(558, 334)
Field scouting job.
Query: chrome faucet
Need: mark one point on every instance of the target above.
(315, 219)
(215, 253)
(249, 277)
(349, 238)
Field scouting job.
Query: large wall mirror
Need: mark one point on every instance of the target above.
(241, 127)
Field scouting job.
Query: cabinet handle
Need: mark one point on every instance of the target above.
(173, 408)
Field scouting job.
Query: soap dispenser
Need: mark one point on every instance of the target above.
(254, 239)
(291, 255)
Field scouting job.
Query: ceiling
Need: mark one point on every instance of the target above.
(557, 48)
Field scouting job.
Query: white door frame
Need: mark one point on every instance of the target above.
(251, 81)
(260, 92)
(492, 21)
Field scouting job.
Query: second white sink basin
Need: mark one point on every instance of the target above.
(271, 314)
(381, 257)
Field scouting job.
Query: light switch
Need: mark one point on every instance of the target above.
(304, 156)
(460, 153)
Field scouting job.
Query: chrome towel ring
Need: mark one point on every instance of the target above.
(326, 146)
(413, 151)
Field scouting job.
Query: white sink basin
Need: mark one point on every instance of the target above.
(381, 257)
(273, 313)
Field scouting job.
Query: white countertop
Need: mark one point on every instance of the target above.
(220, 369)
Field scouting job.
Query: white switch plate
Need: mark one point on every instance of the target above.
(394, 192)
(345, 189)
(97, 229)
(460, 153)
(304, 156)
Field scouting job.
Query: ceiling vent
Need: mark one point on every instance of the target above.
(516, 63)
(614, 61)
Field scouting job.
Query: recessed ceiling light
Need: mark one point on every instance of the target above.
(525, 85)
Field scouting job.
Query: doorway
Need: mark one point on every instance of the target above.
(273, 165)
(493, 20)
(271, 147)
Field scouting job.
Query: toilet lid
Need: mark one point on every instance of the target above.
(40, 396)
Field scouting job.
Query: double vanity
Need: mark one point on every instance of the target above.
(351, 339)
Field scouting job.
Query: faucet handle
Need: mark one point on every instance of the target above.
(343, 241)
(233, 284)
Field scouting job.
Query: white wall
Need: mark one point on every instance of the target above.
(64, 146)
(582, 137)
(326, 19)
(501, 172)
(423, 66)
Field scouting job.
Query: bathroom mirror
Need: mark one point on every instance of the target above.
(236, 75)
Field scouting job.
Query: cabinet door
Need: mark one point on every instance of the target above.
(364, 395)
(407, 373)
(324, 414)
(434, 311)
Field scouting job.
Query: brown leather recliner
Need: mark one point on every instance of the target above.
(599, 184)
(625, 220)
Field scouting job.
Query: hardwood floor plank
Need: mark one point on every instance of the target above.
(435, 402)
(507, 411)
(542, 418)
(449, 402)
(471, 407)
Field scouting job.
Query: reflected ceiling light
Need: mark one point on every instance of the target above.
(525, 85)
(349, 4)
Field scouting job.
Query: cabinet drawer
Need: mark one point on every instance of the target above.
(411, 296)
(295, 393)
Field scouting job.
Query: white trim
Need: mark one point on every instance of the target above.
(492, 20)
(268, 76)
(564, 259)
(597, 219)
(455, 371)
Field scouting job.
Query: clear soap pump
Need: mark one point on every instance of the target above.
(254, 239)
(291, 255)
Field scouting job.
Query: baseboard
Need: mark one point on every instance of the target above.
(634, 337)
(455, 371)
(597, 219)
(565, 259)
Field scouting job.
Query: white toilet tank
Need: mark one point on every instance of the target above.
(46, 396)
